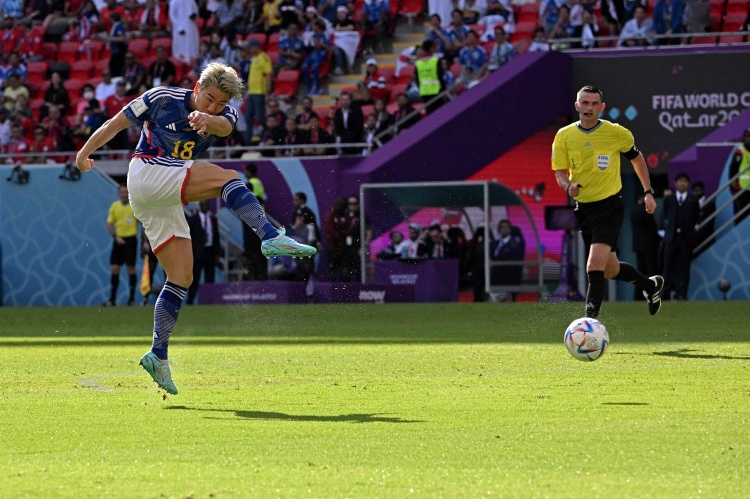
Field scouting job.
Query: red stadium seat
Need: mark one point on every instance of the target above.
(273, 43)
(703, 40)
(412, 8)
(528, 13)
(524, 31)
(68, 52)
(405, 75)
(35, 105)
(100, 66)
(74, 87)
(140, 47)
(737, 7)
(50, 50)
(92, 49)
(396, 90)
(82, 70)
(36, 72)
(388, 72)
(732, 39)
(286, 83)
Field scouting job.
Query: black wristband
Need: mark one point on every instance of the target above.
(650, 190)
(567, 190)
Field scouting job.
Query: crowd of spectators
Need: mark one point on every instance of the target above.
(268, 41)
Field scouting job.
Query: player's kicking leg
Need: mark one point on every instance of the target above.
(208, 180)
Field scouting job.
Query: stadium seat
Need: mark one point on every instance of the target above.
(405, 75)
(49, 51)
(100, 66)
(396, 90)
(529, 12)
(68, 52)
(388, 72)
(732, 38)
(36, 104)
(36, 72)
(703, 40)
(455, 69)
(140, 47)
(74, 87)
(92, 49)
(715, 21)
(41, 89)
(524, 31)
(261, 37)
(273, 43)
(477, 28)
(412, 9)
(165, 42)
(286, 83)
(737, 7)
(367, 110)
(81, 70)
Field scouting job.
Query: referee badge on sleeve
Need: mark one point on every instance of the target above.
(602, 161)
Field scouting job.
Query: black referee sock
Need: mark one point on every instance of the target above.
(132, 287)
(595, 293)
(630, 274)
(115, 282)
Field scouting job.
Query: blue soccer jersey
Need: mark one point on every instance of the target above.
(167, 136)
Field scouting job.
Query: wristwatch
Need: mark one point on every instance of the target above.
(650, 190)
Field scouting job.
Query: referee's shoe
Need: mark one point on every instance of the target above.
(654, 298)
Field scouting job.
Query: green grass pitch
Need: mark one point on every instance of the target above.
(438, 400)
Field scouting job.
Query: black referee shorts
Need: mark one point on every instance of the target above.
(601, 221)
(124, 253)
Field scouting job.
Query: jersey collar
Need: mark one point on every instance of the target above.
(590, 130)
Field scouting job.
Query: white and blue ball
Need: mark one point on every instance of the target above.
(586, 339)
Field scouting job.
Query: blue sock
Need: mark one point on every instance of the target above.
(165, 316)
(246, 206)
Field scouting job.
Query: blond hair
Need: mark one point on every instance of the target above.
(222, 77)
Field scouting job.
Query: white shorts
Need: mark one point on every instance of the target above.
(156, 196)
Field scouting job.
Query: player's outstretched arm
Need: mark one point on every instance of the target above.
(104, 134)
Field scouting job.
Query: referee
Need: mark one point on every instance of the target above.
(123, 227)
(586, 161)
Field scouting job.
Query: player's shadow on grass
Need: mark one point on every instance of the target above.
(624, 403)
(685, 353)
(341, 418)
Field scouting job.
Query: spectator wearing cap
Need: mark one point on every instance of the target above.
(375, 19)
(258, 86)
(319, 43)
(342, 24)
(414, 247)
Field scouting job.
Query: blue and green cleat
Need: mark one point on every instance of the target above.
(282, 245)
(159, 370)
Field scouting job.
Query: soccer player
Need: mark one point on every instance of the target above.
(586, 161)
(123, 227)
(178, 125)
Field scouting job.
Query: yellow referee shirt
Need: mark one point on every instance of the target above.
(592, 157)
(121, 215)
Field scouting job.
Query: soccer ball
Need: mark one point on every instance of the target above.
(586, 339)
